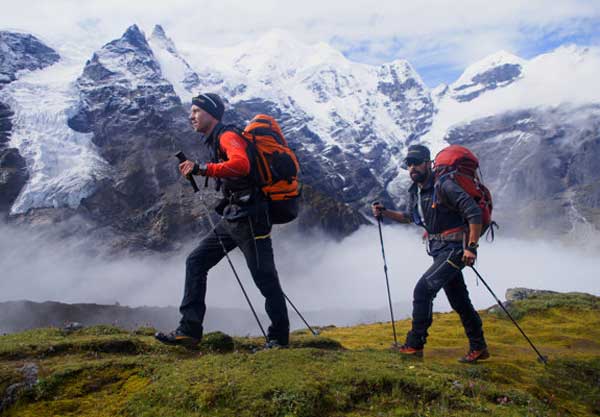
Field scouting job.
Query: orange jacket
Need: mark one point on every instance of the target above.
(236, 163)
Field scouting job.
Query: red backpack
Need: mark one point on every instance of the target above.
(459, 164)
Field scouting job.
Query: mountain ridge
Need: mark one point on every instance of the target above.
(350, 123)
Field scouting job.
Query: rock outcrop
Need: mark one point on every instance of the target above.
(21, 52)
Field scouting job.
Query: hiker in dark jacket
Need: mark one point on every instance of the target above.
(452, 229)
(245, 225)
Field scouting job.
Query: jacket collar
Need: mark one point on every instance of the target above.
(211, 140)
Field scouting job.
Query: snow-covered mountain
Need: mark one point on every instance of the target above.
(174, 67)
(364, 114)
(493, 72)
(535, 125)
(102, 143)
(563, 76)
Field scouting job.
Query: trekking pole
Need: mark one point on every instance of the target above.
(387, 281)
(182, 158)
(541, 358)
(314, 332)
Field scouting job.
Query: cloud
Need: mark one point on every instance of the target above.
(316, 272)
(431, 34)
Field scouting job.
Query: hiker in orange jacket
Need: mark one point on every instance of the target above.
(245, 225)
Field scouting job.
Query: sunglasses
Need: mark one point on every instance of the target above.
(414, 161)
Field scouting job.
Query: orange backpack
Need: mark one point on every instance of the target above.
(275, 167)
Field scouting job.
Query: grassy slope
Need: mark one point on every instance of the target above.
(103, 371)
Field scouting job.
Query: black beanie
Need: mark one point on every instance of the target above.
(210, 103)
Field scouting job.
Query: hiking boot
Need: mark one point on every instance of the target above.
(177, 338)
(275, 344)
(475, 355)
(409, 351)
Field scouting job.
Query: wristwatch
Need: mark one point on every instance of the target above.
(473, 247)
(199, 169)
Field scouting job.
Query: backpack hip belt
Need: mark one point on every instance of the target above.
(241, 197)
(456, 234)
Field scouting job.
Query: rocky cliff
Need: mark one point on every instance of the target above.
(98, 153)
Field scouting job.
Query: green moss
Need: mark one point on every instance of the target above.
(8, 376)
(100, 330)
(535, 303)
(145, 331)
(302, 382)
(344, 372)
(40, 343)
(311, 341)
(572, 385)
(217, 342)
(297, 340)
(14, 346)
(80, 381)
(82, 390)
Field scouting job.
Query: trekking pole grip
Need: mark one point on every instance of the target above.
(182, 158)
(379, 217)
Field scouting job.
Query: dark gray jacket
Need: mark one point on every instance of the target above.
(454, 208)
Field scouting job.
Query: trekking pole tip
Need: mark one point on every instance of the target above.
(543, 359)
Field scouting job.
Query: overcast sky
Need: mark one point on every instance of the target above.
(439, 38)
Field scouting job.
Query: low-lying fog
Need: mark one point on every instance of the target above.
(317, 273)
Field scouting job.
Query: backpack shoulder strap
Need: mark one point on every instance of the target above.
(438, 181)
(230, 128)
(251, 150)
(222, 129)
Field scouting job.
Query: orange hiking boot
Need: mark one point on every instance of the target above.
(409, 351)
(177, 338)
(475, 355)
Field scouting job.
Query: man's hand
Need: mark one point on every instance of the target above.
(188, 168)
(378, 210)
(469, 257)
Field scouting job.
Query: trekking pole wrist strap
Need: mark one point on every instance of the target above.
(472, 247)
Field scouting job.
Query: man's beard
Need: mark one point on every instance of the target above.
(419, 177)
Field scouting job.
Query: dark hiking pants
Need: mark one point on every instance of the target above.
(254, 241)
(444, 273)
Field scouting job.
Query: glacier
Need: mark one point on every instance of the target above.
(64, 165)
